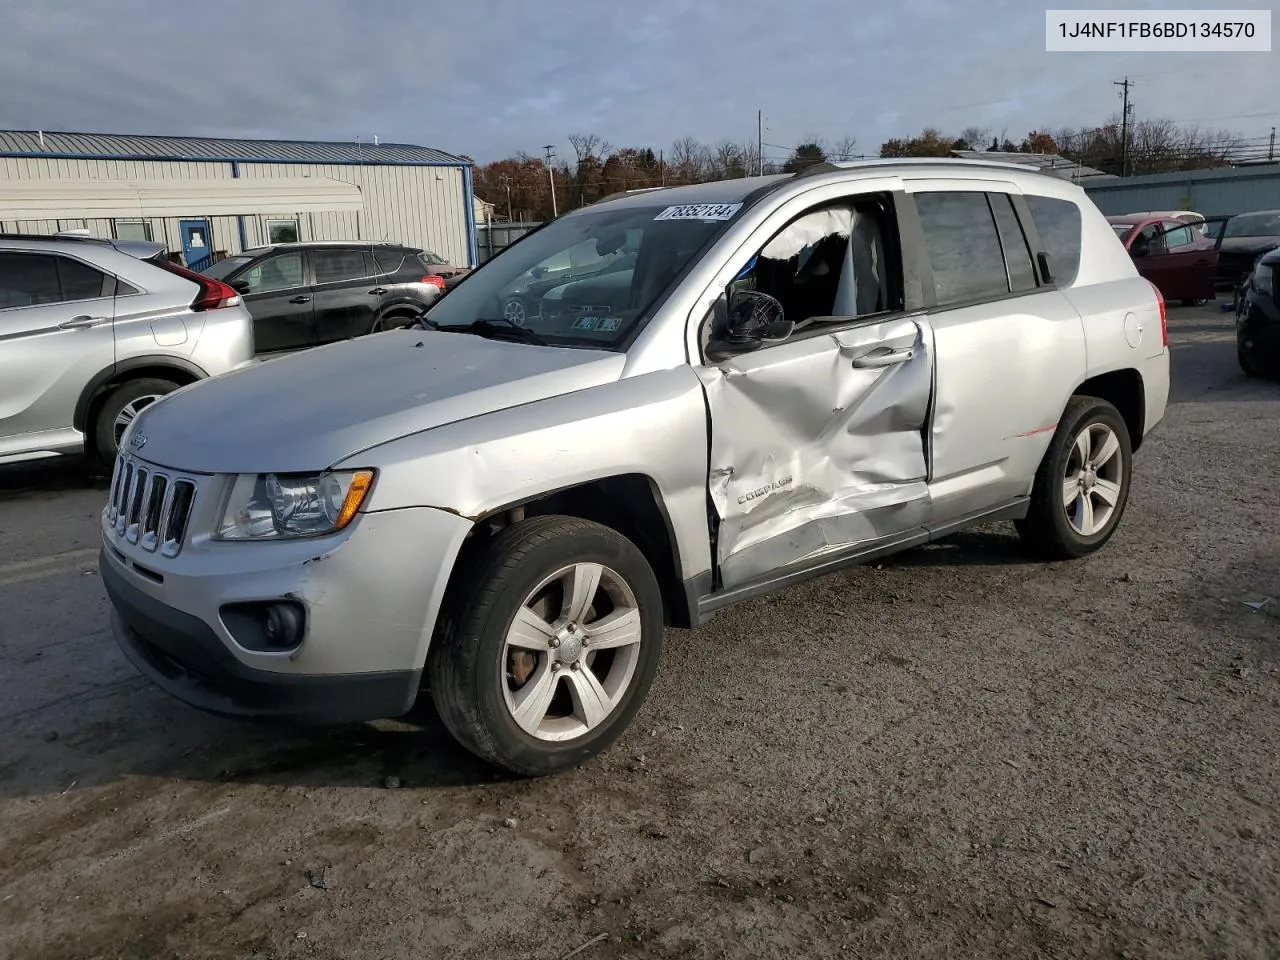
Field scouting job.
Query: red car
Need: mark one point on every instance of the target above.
(1177, 257)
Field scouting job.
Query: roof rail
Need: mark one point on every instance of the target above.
(832, 166)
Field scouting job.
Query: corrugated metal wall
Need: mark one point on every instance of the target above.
(419, 205)
(1212, 192)
(423, 206)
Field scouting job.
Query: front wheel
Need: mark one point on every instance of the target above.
(550, 648)
(119, 410)
(1082, 486)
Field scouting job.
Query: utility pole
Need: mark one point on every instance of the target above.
(1126, 83)
(760, 140)
(1271, 148)
(506, 182)
(662, 165)
(551, 175)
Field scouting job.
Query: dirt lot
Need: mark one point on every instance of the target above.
(955, 753)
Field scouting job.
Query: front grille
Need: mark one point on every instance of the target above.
(150, 507)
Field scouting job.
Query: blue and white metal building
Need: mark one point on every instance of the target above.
(183, 191)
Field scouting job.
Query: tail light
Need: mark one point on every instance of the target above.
(213, 294)
(1164, 315)
(435, 281)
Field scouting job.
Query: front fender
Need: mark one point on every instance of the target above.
(654, 425)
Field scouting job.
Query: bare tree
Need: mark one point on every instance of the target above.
(846, 148)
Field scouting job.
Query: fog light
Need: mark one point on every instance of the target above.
(269, 626)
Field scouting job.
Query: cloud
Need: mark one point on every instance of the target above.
(489, 78)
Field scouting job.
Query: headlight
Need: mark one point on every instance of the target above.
(273, 506)
(1264, 279)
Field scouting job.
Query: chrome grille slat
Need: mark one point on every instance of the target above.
(137, 498)
(150, 506)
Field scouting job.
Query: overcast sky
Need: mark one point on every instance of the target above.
(488, 78)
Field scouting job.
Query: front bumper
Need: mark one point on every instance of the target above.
(183, 656)
(369, 598)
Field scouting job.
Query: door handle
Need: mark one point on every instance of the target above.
(378, 291)
(884, 357)
(300, 300)
(82, 322)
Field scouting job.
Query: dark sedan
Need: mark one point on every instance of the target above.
(1245, 237)
(1258, 319)
(1177, 257)
(304, 294)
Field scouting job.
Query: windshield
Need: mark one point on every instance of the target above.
(224, 268)
(1254, 225)
(589, 278)
(432, 259)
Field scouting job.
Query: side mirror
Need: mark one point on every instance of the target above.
(754, 319)
(240, 286)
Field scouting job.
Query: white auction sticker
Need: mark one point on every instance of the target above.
(1170, 31)
(700, 211)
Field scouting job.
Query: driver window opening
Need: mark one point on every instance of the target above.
(840, 260)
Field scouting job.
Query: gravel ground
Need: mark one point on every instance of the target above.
(955, 753)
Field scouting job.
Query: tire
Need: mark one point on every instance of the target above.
(121, 405)
(1055, 530)
(479, 682)
(1194, 303)
(395, 320)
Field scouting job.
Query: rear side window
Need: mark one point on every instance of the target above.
(963, 245)
(1058, 223)
(82, 282)
(388, 260)
(1017, 255)
(35, 279)
(334, 266)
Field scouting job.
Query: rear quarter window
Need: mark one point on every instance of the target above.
(1058, 223)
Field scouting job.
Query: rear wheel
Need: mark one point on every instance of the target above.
(396, 320)
(550, 649)
(120, 409)
(1082, 486)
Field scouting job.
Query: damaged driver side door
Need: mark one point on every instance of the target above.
(817, 441)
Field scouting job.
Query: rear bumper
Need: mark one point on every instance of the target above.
(182, 655)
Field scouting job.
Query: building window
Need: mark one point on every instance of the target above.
(282, 231)
(133, 229)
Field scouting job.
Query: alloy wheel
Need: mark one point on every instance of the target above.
(1091, 488)
(571, 652)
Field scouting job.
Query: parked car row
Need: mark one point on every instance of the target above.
(95, 330)
(1192, 258)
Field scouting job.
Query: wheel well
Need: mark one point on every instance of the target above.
(1122, 389)
(98, 395)
(629, 504)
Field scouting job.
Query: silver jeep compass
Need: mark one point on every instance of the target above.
(790, 375)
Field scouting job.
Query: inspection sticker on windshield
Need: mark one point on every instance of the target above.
(700, 211)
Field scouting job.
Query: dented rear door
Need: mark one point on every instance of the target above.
(817, 443)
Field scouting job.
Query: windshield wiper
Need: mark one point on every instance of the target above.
(496, 325)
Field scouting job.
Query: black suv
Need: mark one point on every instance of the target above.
(304, 294)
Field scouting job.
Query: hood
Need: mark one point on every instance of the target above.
(1249, 244)
(308, 410)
